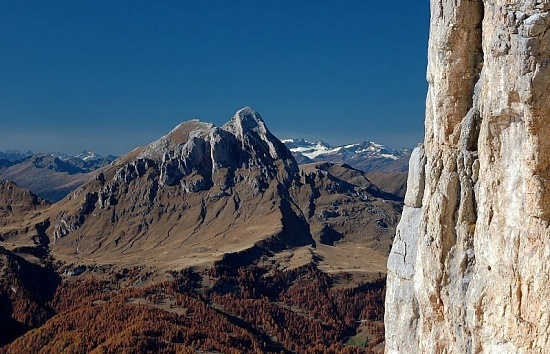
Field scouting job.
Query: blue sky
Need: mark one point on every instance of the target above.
(109, 76)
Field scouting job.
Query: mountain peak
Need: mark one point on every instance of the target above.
(247, 126)
(246, 120)
(248, 114)
(198, 169)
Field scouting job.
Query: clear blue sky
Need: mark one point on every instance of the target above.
(108, 76)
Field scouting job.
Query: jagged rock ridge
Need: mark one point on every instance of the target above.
(468, 271)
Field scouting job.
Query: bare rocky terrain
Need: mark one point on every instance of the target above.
(468, 271)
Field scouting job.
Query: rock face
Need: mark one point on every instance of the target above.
(469, 271)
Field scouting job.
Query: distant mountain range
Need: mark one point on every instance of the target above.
(14, 155)
(366, 156)
(51, 176)
(86, 160)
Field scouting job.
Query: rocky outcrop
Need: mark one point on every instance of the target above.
(17, 203)
(198, 155)
(468, 271)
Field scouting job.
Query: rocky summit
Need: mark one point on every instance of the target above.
(192, 196)
(468, 271)
(203, 194)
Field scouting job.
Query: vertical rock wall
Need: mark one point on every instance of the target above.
(470, 264)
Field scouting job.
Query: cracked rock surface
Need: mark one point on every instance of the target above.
(469, 271)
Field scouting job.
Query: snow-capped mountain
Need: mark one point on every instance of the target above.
(88, 155)
(367, 156)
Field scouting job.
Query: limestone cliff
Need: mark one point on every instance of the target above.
(469, 269)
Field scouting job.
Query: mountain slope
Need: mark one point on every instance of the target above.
(204, 194)
(391, 182)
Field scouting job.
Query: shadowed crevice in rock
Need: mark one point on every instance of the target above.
(329, 236)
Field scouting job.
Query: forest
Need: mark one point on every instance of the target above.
(242, 310)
